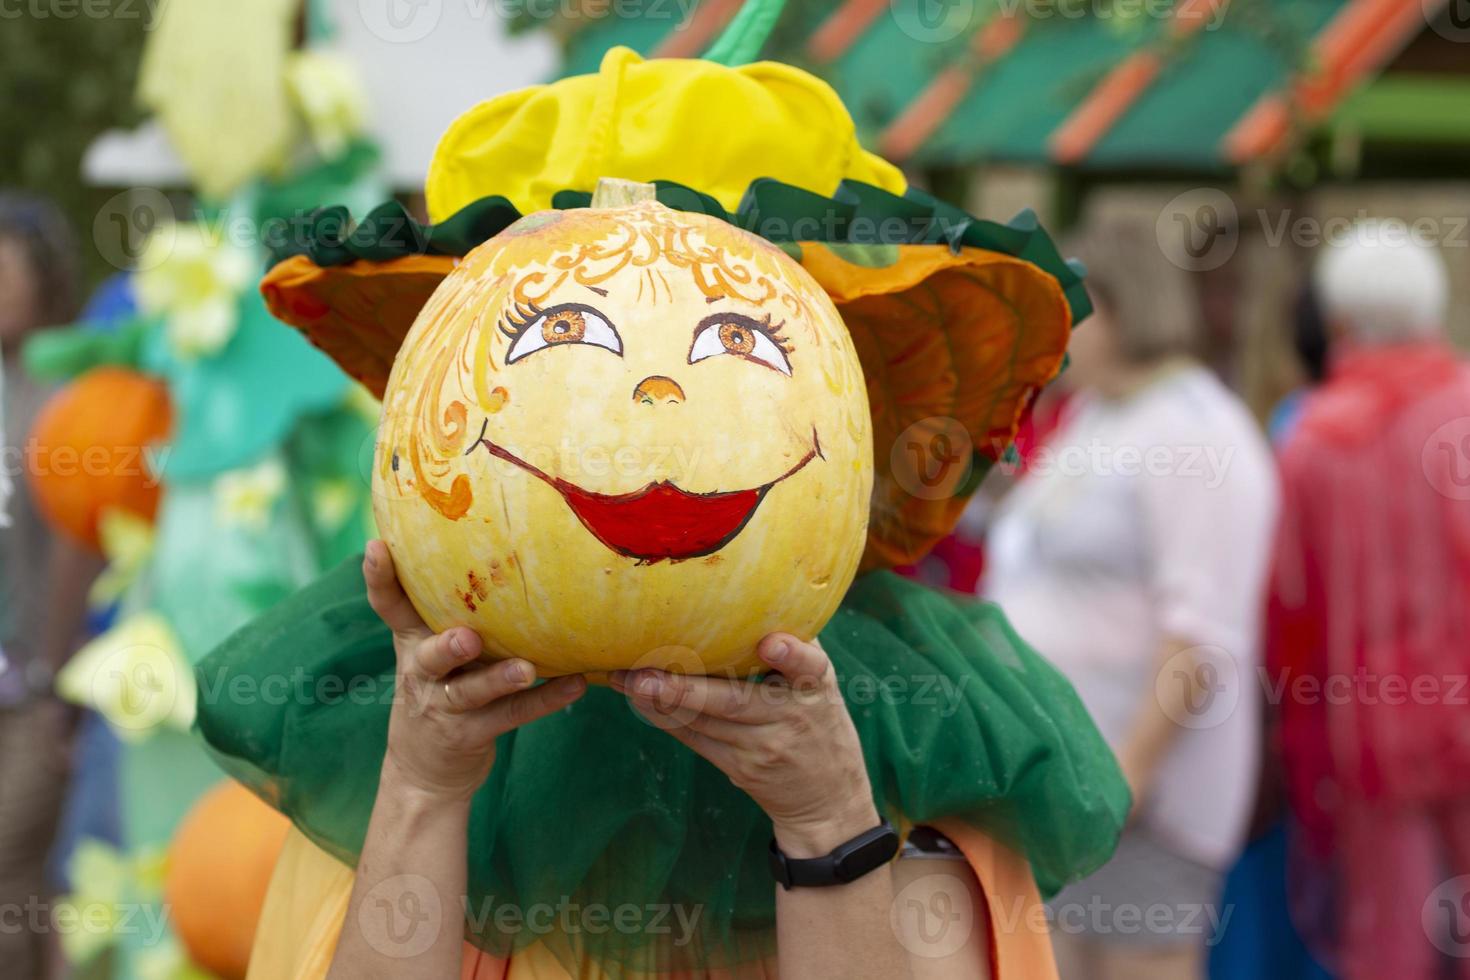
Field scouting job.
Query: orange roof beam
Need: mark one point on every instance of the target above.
(923, 117)
(690, 38)
(843, 27)
(1363, 37)
(1097, 114)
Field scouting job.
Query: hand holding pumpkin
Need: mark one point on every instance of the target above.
(451, 707)
(788, 741)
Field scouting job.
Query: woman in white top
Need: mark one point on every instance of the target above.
(1133, 554)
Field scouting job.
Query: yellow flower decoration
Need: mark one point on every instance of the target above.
(127, 543)
(193, 278)
(134, 675)
(108, 886)
(333, 502)
(328, 93)
(167, 960)
(246, 497)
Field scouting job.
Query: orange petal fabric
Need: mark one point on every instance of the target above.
(357, 313)
(955, 346)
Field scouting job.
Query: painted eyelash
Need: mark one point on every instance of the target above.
(514, 322)
(776, 336)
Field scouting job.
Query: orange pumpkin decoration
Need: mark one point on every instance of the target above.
(219, 869)
(90, 447)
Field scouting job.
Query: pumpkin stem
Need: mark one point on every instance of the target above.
(742, 41)
(614, 192)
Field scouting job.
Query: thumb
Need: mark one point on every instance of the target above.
(386, 595)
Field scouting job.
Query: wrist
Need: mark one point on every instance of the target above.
(398, 783)
(819, 835)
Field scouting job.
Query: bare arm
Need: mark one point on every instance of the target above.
(790, 743)
(942, 918)
(841, 931)
(406, 913)
(1178, 694)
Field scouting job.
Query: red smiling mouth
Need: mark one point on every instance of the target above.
(659, 521)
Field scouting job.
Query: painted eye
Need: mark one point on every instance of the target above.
(570, 323)
(743, 336)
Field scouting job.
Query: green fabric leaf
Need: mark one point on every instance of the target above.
(741, 42)
(63, 353)
(856, 214)
(233, 408)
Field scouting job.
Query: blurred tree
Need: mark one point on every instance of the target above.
(67, 70)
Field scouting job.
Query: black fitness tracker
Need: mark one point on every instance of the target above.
(866, 852)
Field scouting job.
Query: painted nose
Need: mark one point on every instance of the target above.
(658, 390)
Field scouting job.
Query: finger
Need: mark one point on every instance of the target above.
(718, 753)
(736, 700)
(794, 659)
(522, 708)
(436, 656)
(481, 684)
(386, 595)
(669, 716)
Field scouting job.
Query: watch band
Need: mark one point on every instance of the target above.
(848, 862)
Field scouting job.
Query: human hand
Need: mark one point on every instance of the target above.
(788, 741)
(450, 707)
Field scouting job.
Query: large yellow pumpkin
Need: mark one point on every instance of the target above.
(90, 450)
(622, 437)
(219, 869)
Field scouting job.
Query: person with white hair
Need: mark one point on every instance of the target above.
(1368, 619)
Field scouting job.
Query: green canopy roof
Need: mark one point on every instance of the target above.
(1208, 86)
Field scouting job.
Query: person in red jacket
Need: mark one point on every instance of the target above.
(1369, 614)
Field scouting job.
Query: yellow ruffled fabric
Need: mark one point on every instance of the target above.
(693, 122)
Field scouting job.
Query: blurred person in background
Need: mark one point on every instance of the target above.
(1369, 619)
(43, 586)
(1275, 933)
(1133, 554)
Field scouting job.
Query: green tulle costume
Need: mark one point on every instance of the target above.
(958, 718)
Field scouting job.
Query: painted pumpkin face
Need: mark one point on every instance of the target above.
(626, 437)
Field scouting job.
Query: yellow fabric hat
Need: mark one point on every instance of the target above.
(668, 119)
